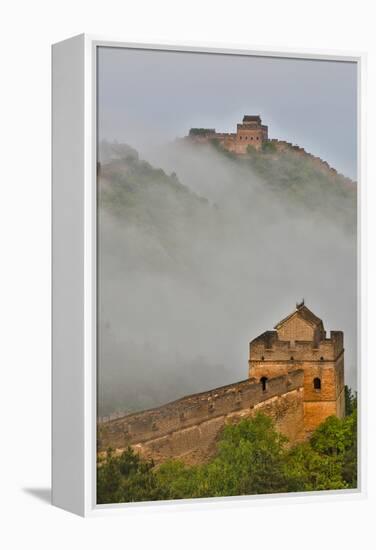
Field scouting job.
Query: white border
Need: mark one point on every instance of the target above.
(90, 337)
(68, 301)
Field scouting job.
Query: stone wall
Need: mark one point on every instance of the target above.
(248, 133)
(232, 142)
(285, 146)
(189, 427)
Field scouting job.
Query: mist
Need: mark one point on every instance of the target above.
(197, 260)
(149, 96)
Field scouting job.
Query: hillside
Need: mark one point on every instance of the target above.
(148, 221)
(128, 182)
(306, 180)
(290, 175)
(199, 251)
(140, 196)
(298, 179)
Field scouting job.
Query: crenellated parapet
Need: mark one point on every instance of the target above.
(250, 132)
(267, 347)
(191, 425)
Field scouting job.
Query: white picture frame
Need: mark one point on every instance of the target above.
(74, 290)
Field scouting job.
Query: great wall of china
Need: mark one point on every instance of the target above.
(188, 428)
(296, 376)
(252, 133)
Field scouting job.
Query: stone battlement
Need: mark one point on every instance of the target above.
(296, 376)
(206, 412)
(267, 346)
(248, 133)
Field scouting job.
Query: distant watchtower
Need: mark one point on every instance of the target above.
(300, 342)
(250, 132)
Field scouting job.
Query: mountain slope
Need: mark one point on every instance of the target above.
(199, 252)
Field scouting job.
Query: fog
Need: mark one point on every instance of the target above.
(185, 284)
(150, 96)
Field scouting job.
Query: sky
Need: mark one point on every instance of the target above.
(147, 98)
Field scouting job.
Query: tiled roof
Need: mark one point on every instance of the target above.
(268, 337)
(250, 118)
(303, 312)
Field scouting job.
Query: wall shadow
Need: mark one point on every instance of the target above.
(41, 493)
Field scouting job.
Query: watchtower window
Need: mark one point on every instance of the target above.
(317, 383)
(262, 358)
(321, 358)
(291, 358)
(264, 382)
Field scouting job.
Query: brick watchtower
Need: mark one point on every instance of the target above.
(300, 342)
(250, 132)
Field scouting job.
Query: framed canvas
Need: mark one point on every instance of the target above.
(206, 275)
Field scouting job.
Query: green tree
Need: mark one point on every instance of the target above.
(330, 438)
(249, 460)
(308, 470)
(269, 147)
(252, 458)
(126, 478)
(350, 458)
(176, 480)
(108, 479)
(350, 400)
(337, 439)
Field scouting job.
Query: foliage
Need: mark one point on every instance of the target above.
(251, 455)
(252, 458)
(177, 480)
(125, 478)
(336, 439)
(308, 470)
(135, 187)
(301, 185)
(269, 147)
(350, 400)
